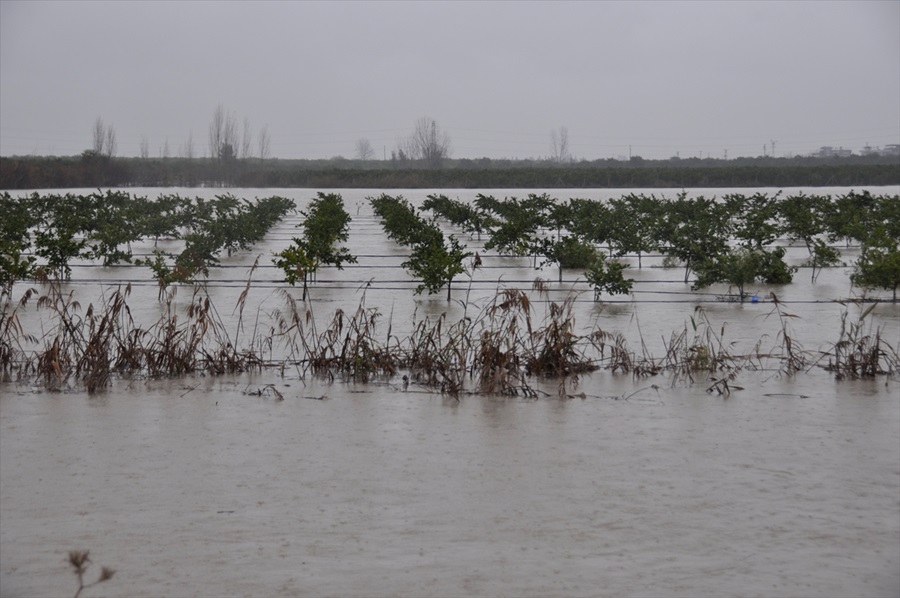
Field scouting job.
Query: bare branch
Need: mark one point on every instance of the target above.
(111, 144)
(188, 149)
(559, 145)
(364, 150)
(427, 143)
(264, 143)
(246, 140)
(99, 136)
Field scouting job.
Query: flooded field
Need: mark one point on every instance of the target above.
(275, 483)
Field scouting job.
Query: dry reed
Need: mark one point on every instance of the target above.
(497, 349)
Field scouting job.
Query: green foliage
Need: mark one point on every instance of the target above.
(608, 277)
(591, 220)
(887, 216)
(850, 216)
(163, 217)
(471, 219)
(117, 217)
(326, 223)
(878, 266)
(61, 231)
(163, 272)
(436, 264)
(567, 252)
(754, 219)
(434, 260)
(517, 222)
(402, 222)
(742, 267)
(296, 262)
(15, 241)
(823, 256)
(634, 225)
(803, 217)
(694, 230)
(773, 269)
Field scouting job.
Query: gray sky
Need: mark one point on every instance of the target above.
(660, 77)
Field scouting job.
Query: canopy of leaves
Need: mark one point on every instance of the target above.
(878, 266)
(742, 267)
(434, 260)
(694, 229)
(436, 264)
(608, 277)
(326, 223)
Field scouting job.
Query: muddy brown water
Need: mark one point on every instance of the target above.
(193, 488)
(199, 486)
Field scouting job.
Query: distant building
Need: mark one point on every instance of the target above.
(826, 151)
(892, 149)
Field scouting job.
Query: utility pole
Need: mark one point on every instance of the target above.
(773, 147)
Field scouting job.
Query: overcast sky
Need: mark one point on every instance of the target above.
(653, 78)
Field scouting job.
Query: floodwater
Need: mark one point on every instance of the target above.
(201, 486)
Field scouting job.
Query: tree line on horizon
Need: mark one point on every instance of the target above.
(94, 171)
(423, 159)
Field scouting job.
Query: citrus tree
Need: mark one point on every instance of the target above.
(435, 260)
(326, 223)
(15, 241)
(694, 230)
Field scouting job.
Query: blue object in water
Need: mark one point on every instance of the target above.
(754, 299)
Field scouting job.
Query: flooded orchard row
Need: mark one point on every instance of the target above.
(635, 486)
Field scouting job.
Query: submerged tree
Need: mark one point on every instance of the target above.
(754, 219)
(607, 276)
(516, 222)
(470, 218)
(635, 221)
(742, 267)
(326, 223)
(803, 218)
(436, 261)
(878, 266)
(15, 241)
(694, 230)
(566, 252)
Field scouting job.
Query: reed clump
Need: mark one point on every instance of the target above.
(14, 363)
(861, 350)
(497, 347)
(504, 337)
(349, 349)
(87, 350)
